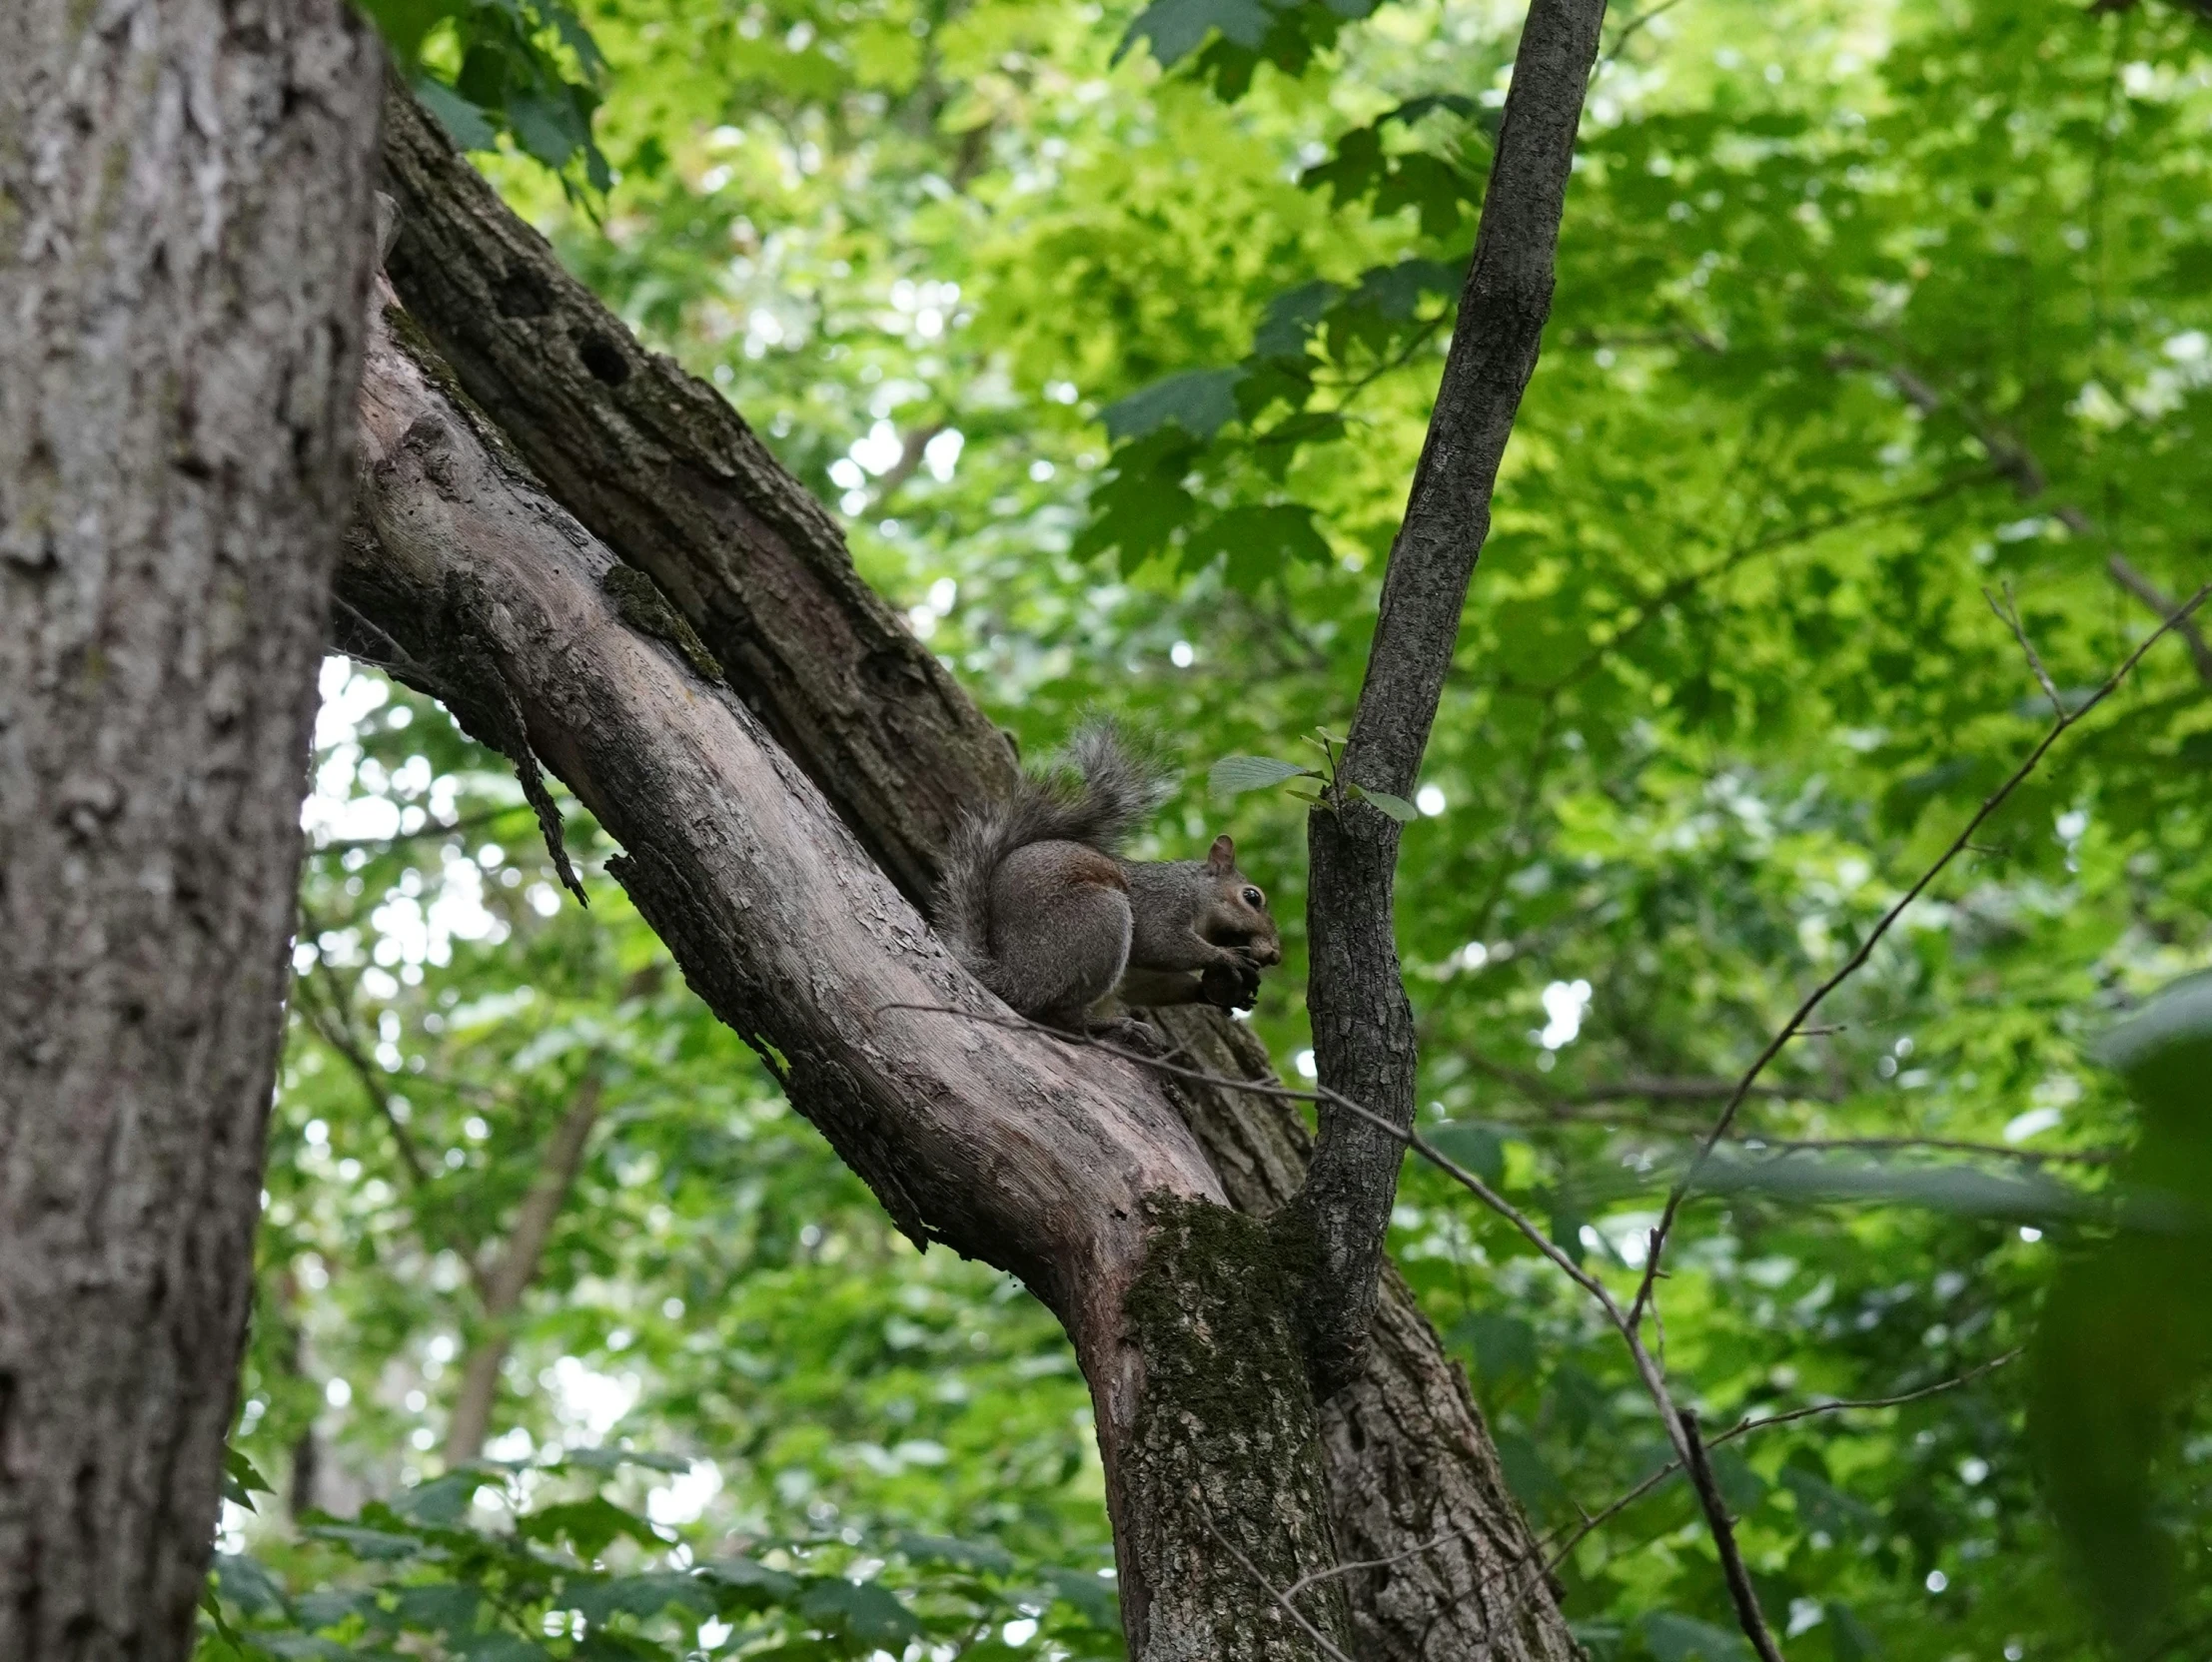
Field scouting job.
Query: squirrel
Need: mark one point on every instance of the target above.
(1039, 906)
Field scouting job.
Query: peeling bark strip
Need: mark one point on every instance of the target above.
(660, 467)
(184, 253)
(1008, 1146)
(1364, 1044)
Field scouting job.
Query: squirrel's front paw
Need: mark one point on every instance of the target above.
(1230, 986)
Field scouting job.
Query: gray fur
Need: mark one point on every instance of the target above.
(1040, 905)
(1120, 785)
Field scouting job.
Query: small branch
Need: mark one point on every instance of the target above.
(1744, 1427)
(502, 1286)
(1414, 1551)
(1747, 1613)
(1995, 1150)
(1634, 1088)
(426, 832)
(2129, 579)
(1363, 1039)
(1629, 32)
(1671, 593)
(2018, 464)
(415, 672)
(2008, 614)
(2067, 720)
(1280, 1596)
(333, 1025)
(914, 444)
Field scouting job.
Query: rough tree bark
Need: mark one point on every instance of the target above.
(1407, 1461)
(1404, 1452)
(669, 476)
(1364, 1047)
(1067, 1168)
(184, 253)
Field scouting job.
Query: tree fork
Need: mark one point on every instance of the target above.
(1407, 1460)
(1052, 1162)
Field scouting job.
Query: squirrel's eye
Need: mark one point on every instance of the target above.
(1253, 897)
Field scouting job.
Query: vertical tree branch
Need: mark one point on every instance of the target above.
(1363, 1026)
(1740, 1592)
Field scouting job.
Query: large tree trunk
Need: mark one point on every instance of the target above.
(184, 202)
(761, 573)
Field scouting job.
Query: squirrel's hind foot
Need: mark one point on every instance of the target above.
(1131, 1034)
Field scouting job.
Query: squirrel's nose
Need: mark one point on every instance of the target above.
(1267, 951)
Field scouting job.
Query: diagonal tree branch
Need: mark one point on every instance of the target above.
(1074, 1173)
(1406, 1452)
(2015, 463)
(659, 466)
(1364, 1041)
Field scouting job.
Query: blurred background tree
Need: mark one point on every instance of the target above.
(1111, 334)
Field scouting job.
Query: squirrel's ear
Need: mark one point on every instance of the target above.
(1223, 855)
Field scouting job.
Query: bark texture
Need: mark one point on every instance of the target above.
(1414, 1489)
(1046, 1160)
(183, 252)
(663, 470)
(1363, 1046)
(1406, 1458)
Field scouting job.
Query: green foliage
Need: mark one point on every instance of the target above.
(1119, 386)
(525, 69)
(478, 1564)
(2124, 1349)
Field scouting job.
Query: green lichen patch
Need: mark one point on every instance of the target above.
(645, 609)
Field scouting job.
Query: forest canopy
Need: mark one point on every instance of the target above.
(1866, 446)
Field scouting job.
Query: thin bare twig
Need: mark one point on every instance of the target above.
(2008, 613)
(1738, 1576)
(2066, 721)
(333, 1025)
(1630, 30)
(2017, 464)
(423, 833)
(1746, 1426)
(2124, 574)
(1633, 1088)
(1995, 1150)
(1330, 1574)
(1278, 1594)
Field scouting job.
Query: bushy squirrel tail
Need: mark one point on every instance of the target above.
(1118, 785)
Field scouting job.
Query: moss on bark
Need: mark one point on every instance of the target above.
(1224, 1470)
